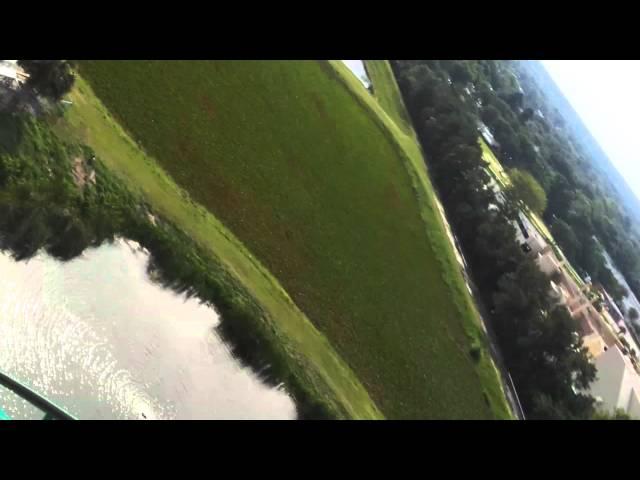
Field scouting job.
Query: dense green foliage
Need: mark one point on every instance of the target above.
(579, 196)
(540, 343)
(314, 184)
(527, 190)
(50, 78)
(41, 206)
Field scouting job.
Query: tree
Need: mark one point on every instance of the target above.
(528, 153)
(611, 284)
(506, 137)
(526, 115)
(459, 72)
(590, 258)
(514, 100)
(494, 252)
(489, 114)
(566, 239)
(633, 314)
(484, 93)
(50, 78)
(527, 190)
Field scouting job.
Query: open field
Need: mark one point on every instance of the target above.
(307, 170)
(389, 99)
(317, 363)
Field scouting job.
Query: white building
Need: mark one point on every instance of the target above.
(617, 385)
(487, 135)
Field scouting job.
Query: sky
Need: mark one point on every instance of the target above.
(606, 96)
(357, 67)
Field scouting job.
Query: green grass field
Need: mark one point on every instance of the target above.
(495, 167)
(390, 107)
(387, 93)
(315, 179)
(314, 360)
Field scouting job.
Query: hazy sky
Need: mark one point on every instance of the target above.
(606, 95)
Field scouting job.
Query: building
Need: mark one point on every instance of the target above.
(617, 384)
(565, 291)
(618, 379)
(595, 344)
(598, 330)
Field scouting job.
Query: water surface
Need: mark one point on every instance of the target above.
(101, 340)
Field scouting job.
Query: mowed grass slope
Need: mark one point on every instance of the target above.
(387, 93)
(313, 362)
(311, 182)
(388, 105)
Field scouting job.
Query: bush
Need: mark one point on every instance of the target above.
(527, 190)
(476, 353)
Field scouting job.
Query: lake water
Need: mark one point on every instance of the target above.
(101, 340)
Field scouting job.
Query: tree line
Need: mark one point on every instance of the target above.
(540, 342)
(581, 209)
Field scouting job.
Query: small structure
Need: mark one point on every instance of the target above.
(487, 135)
(595, 344)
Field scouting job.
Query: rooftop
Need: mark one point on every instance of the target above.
(617, 382)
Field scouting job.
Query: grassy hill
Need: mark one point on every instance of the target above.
(321, 186)
(387, 93)
(389, 99)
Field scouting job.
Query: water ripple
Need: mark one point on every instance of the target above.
(98, 338)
